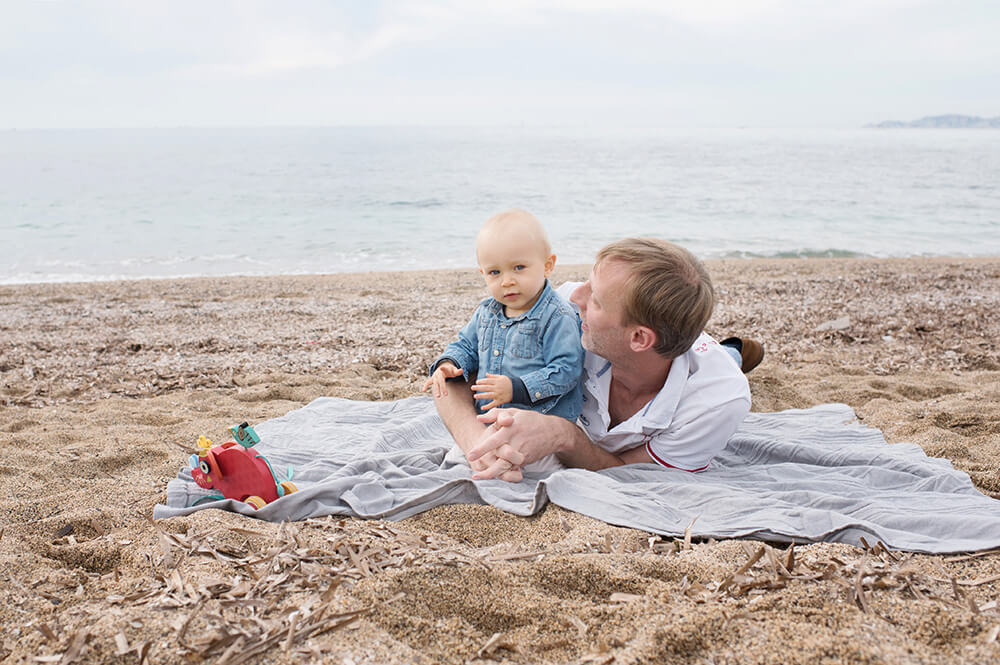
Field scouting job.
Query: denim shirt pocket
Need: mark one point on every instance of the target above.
(485, 335)
(526, 342)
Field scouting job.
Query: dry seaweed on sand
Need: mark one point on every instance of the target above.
(101, 385)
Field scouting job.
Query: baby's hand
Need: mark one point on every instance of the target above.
(512, 475)
(497, 387)
(445, 370)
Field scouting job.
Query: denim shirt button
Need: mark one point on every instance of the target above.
(496, 352)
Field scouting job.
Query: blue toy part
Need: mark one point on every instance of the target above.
(209, 497)
(277, 483)
(244, 435)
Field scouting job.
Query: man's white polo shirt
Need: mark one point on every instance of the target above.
(704, 400)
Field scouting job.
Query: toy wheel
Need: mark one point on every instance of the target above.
(288, 486)
(256, 502)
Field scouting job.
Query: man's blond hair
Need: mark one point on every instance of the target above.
(668, 290)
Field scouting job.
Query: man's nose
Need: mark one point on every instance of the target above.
(579, 295)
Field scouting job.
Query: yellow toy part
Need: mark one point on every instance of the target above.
(256, 502)
(204, 445)
(288, 486)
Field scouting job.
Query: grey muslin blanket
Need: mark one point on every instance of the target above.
(798, 475)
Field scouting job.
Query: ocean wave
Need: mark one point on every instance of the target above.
(422, 203)
(808, 253)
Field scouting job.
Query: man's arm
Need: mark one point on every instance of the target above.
(583, 454)
(522, 437)
(689, 446)
(697, 436)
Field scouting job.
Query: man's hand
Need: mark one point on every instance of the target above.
(445, 370)
(496, 387)
(519, 437)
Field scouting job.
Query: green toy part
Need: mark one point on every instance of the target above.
(245, 435)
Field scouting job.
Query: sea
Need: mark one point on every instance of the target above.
(89, 205)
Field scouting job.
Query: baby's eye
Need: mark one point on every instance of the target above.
(520, 266)
(493, 272)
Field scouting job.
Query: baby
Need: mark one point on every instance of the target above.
(523, 343)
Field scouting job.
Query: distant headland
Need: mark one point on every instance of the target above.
(952, 121)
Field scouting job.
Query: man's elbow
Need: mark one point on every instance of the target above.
(637, 455)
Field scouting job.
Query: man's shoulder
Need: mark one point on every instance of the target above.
(712, 374)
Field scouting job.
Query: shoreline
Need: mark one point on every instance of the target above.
(105, 386)
(570, 266)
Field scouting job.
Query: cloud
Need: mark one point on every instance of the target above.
(116, 62)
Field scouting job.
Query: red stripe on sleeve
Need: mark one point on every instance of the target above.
(649, 449)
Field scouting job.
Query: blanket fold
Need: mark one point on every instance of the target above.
(793, 476)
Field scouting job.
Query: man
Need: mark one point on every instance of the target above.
(656, 388)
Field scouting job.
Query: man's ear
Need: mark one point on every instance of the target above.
(642, 339)
(550, 264)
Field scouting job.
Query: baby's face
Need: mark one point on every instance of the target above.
(515, 267)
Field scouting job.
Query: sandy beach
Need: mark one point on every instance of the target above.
(105, 387)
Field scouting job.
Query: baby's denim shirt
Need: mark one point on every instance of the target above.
(541, 347)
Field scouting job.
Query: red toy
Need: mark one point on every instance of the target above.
(237, 471)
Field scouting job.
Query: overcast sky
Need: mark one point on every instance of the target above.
(667, 63)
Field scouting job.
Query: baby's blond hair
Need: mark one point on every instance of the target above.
(516, 221)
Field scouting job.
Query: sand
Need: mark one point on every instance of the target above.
(105, 387)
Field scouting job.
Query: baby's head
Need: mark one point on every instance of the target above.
(514, 258)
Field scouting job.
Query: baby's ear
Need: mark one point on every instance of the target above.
(550, 264)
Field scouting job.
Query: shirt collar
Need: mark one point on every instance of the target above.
(658, 412)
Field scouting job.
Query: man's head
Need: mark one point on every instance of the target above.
(645, 293)
(514, 258)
